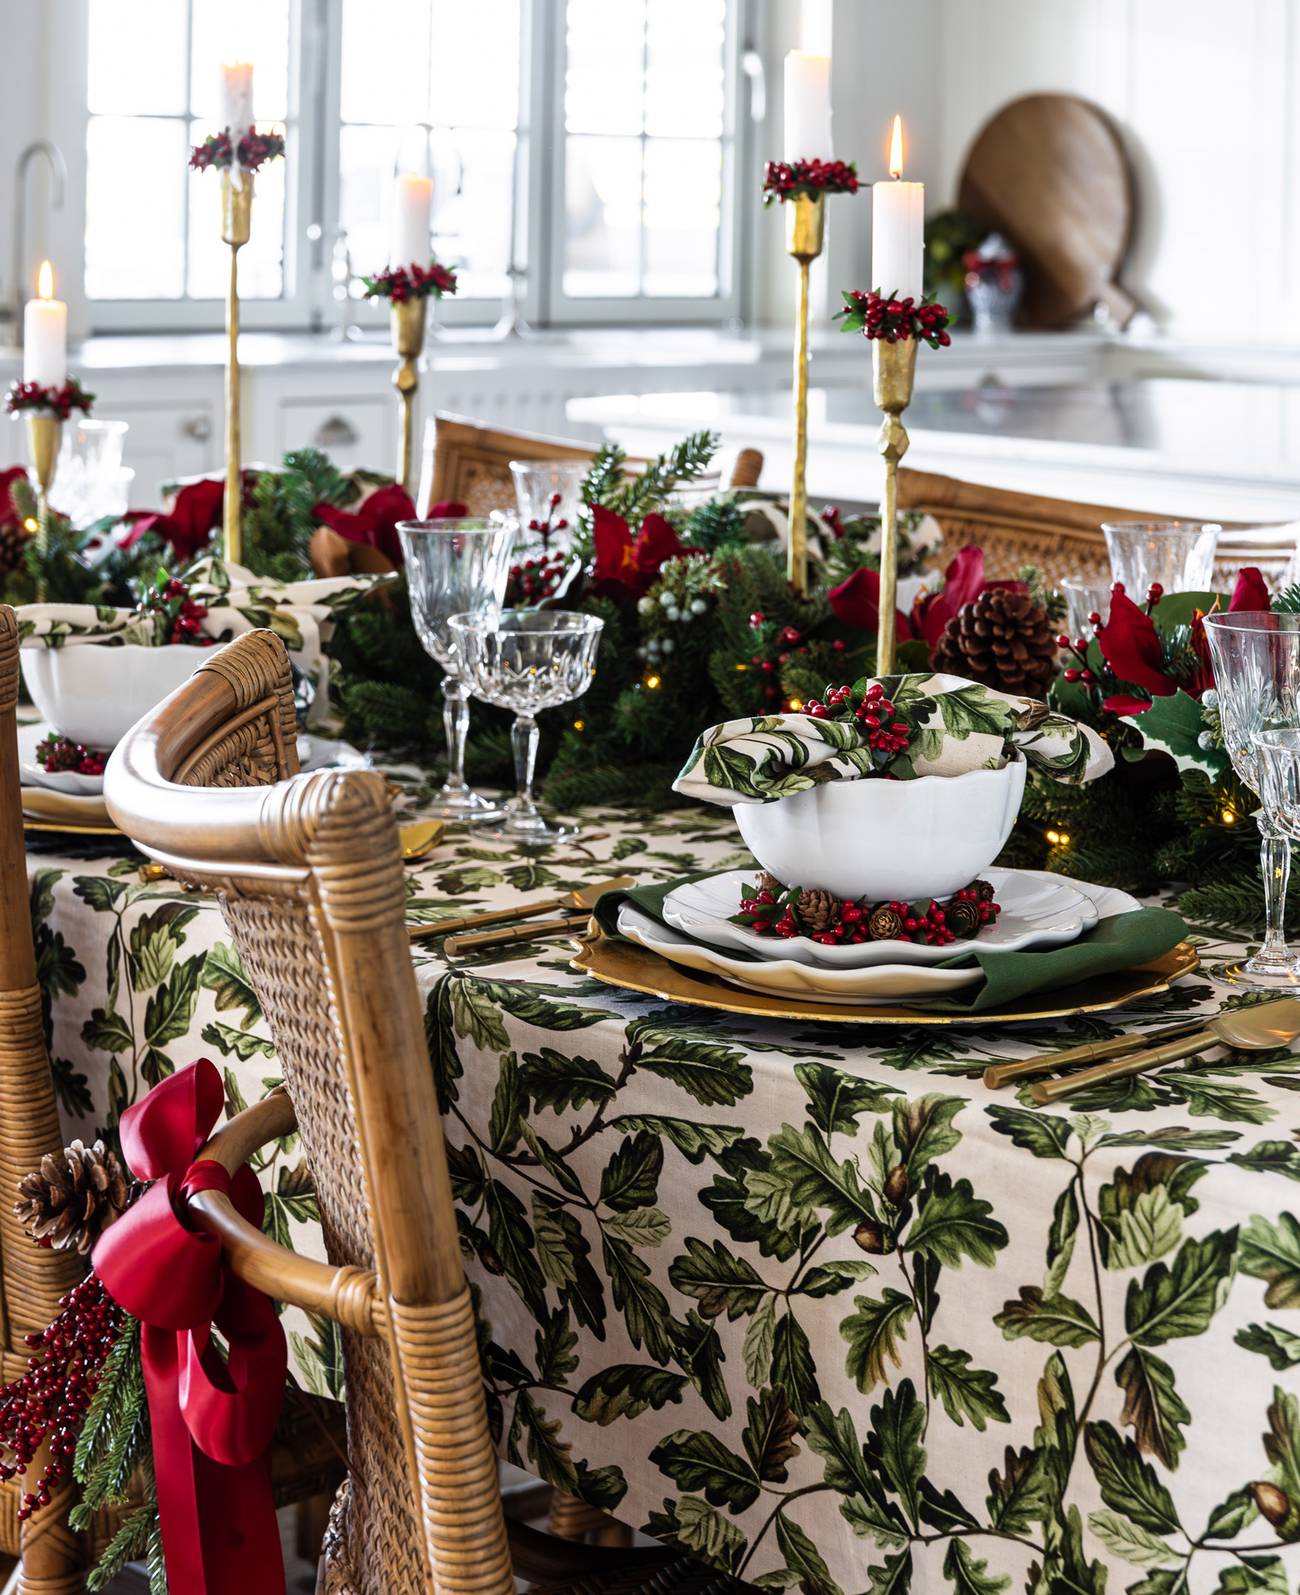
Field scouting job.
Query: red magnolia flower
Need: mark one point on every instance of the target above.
(8, 514)
(626, 566)
(374, 522)
(188, 526)
(856, 602)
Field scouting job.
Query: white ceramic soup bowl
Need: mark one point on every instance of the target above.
(887, 839)
(95, 693)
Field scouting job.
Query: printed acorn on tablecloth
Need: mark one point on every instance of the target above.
(1004, 638)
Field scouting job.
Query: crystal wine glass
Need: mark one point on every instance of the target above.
(548, 493)
(528, 660)
(1175, 555)
(454, 567)
(1256, 658)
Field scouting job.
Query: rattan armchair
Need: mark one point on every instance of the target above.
(311, 881)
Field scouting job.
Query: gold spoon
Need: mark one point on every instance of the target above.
(1255, 1029)
(419, 839)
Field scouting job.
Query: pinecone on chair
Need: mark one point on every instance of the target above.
(1003, 639)
(73, 1196)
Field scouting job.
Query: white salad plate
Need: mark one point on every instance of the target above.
(785, 978)
(1038, 910)
(30, 738)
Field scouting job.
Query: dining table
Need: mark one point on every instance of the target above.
(807, 1299)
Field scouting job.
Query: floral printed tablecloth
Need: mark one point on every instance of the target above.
(807, 1300)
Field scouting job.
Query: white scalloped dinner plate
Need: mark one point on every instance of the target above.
(1038, 910)
(30, 737)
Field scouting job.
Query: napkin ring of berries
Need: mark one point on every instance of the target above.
(61, 401)
(769, 908)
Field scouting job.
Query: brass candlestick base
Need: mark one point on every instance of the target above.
(805, 232)
(893, 371)
(236, 226)
(44, 433)
(407, 322)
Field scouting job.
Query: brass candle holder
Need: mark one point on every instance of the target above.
(893, 371)
(407, 322)
(236, 226)
(805, 232)
(44, 434)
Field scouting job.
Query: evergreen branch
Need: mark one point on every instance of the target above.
(122, 1360)
(129, 1544)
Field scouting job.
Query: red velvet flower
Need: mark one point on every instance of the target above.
(8, 514)
(448, 509)
(1250, 590)
(626, 566)
(374, 522)
(856, 602)
(188, 526)
(963, 582)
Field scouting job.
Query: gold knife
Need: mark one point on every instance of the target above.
(528, 931)
(584, 899)
(1000, 1074)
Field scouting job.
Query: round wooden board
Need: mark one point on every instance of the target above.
(1050, 173)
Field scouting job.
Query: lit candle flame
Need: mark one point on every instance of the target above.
(896, 148)
(45, 281)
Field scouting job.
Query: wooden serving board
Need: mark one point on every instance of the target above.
(1050, 173)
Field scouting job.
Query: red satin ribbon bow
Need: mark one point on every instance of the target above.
(212, 1420)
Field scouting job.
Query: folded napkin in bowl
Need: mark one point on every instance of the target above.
(1120, 942)
(954, 726)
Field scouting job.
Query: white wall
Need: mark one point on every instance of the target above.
(1205, 94)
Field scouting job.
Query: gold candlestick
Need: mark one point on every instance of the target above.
(236, 225)
(44, 432)
(407, 322)
(893, 370)
(805, 230)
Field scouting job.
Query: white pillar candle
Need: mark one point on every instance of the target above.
(237, 98)
(45, 334)
(807, 106)
(412, 207)
(897, 228)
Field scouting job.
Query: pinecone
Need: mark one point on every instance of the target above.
(1003, 639)
(962, 916)
(817, 910)
(73, 1196)
(13, 544)
(884, 923)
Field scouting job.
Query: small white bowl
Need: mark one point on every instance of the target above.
(95, 694)
(887, 839)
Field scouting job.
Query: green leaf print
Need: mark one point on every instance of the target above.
(698, 1350)
(154, 942)
(966, 1392)
(894, 1445)
(536, 1006)
(241, 1044)
(638, 1298)
(642, 1226)
(223, 974)
(953, 1223)
(1272, 1252)
(505, 1123)
(719, 1280)
(696, 1460)
(1042, 1134)
(771, 1434)
(1270, 1157)
(1254, 1575)
(969, 1576)
(760, 1337)
(109, 1032)
(1170, 1302)
(694, 1141)
(829, 1279)
(170, 1008)
(1055, 1320)
(814, 1179)
(1132, 1542)
(512, 1239)
(711, 1073)
(894, 1577)
(626, 1390)
(923, 1130)
(695, 1526)
(875, 1333)
(476, 1016)
(1022, 1494)
(630, 1179)
(1127, 1483)
(804, 1559)
(1152, 1406)
(1282, 1442)
(792, 1363)
(549, 1453)
(553, 1079)
(1280, 1346)
(836, 1100)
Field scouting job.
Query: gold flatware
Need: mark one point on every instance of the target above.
(419, 839)
(1000, 1074)
(512, 933)
(584, 898)
(1256, 1029)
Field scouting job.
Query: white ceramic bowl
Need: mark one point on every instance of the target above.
(95, 694)
(887, 839)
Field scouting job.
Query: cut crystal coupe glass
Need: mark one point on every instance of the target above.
(1256, 658)
(527, 660)
(455, 567)
(1176, 555)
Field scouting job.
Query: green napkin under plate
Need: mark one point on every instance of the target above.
(1118, 943)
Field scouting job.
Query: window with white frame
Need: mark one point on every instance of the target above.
(588, 143)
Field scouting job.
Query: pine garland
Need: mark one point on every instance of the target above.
(278, 519)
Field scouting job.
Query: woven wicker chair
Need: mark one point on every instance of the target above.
(32, 1278)
(310, 875)
(1062, 537)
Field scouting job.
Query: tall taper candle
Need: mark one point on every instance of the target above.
(807, 106)
(412, 208)
(45, 334)
(897, 227)
(237, 98)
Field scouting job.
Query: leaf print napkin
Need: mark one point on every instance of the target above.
(956, 726)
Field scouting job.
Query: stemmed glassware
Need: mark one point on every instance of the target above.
(549, 493)
(1256, 658)
(455, 567)
(528, 660)
(1175, 555)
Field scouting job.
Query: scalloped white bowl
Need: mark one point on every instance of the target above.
(887, 839)
(95, 694)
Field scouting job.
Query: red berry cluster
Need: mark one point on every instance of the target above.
(218, 150)
(892, 319)
(532, 580)
(1077, 647)
(53, 1396)
(875, 712)
(776, 644)
(60, 401)
(181, 616)
(56, 754)
(775, 912)
(782, 180)
(544, 528)
(400, 283)
(834, 518)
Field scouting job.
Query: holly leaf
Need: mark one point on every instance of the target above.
(1171, 1302)
(556, 1080)
(952, 1223)
(1132, 1542)
(1152, 1405)
(631, 1177)
(770, 1434)
(1174, 724)
(836, 1100)
(969, 1576)
(626, 1390)
(1280, 1346)
(1272, 1252)
(1127, 1483)
(718, 1279)
(1054, 1320)
(966, 1392)
(875, 1333)
(697, 1460)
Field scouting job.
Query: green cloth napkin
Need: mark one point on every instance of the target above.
(1114, 944)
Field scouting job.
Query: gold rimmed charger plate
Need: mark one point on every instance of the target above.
(67, 813)
(623, 964)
